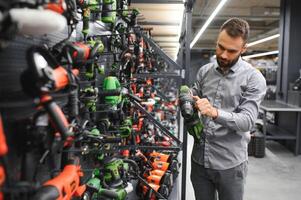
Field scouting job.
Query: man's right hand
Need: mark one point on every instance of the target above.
(205, 107)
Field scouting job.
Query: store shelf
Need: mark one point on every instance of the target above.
(277, 133)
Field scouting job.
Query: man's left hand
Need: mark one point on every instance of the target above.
(204, 107)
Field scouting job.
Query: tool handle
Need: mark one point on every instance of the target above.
(112, 140)
(134, 97)
(48, 192)
(110, 93)
(109, 194)
(3, 145)
(65, 186)
(57, 117)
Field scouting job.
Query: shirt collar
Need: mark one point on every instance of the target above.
(234, 68)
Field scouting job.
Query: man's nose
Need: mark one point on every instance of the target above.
(224, 55)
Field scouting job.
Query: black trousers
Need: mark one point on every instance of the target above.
(227, 184)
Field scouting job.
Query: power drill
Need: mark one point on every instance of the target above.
(186, 102)
(189, 113)
(87, 7)
(109, 13)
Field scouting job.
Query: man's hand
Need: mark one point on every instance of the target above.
(204, 107)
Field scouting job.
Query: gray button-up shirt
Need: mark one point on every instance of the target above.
(237, 96)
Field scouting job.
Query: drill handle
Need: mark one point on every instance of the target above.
(48, 192)
(57, 117)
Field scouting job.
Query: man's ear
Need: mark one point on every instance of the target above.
(244, 49)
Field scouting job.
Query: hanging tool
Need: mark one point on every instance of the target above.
(42, 77)
(109, 11)
(65, 186)
(3, 152)
(87, 7)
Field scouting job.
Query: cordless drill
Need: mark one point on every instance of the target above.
(87, 7)
(189, 113)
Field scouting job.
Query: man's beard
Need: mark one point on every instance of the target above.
(226, 64)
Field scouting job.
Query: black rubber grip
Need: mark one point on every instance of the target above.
(110, 93)
(109, 193)
(112, 140)
(131, 96)
(52, 109)
(47, 193)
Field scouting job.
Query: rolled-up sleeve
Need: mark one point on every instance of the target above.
(244, 116)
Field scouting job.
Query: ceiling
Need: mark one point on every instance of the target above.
(165, 17)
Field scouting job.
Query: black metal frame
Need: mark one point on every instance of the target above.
(186, 39)
(164, 129)
(160, 52)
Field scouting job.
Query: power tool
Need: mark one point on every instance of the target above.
(126, 127)
(114, 169)
(89, 96)
(111, 83)
(3, 152)
(44, 76)
(87, 7)
(109, 11)
(189, 113)
(64, 186)
(96, 191)
(111, 181)
(186, 102)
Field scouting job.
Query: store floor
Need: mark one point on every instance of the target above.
(277, 176)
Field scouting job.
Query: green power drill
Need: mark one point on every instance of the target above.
(191, 118)
(87, 7)
(109, 11)
(111, 83)
(89, 96)
(114, 169)
(95, 191)
(126, 128)
(97, 48)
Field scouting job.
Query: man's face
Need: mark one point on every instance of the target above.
(228, 49)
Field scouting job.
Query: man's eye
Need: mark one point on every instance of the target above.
(221, 47)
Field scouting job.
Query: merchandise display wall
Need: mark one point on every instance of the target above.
(89, 111)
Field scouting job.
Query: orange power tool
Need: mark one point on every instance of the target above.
(64, 186)
(3, 152)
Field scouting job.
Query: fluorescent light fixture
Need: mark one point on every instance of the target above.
(209, 20)
(261, 54)
(263, 40)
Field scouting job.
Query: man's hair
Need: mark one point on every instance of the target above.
(236, 27)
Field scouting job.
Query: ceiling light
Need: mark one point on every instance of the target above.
(261, 54)
(209, 20)
(263, 40)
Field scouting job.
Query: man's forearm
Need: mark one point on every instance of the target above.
(235, 121)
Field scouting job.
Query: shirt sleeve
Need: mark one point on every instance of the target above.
(243, 118)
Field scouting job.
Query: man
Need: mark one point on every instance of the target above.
(233, 90)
